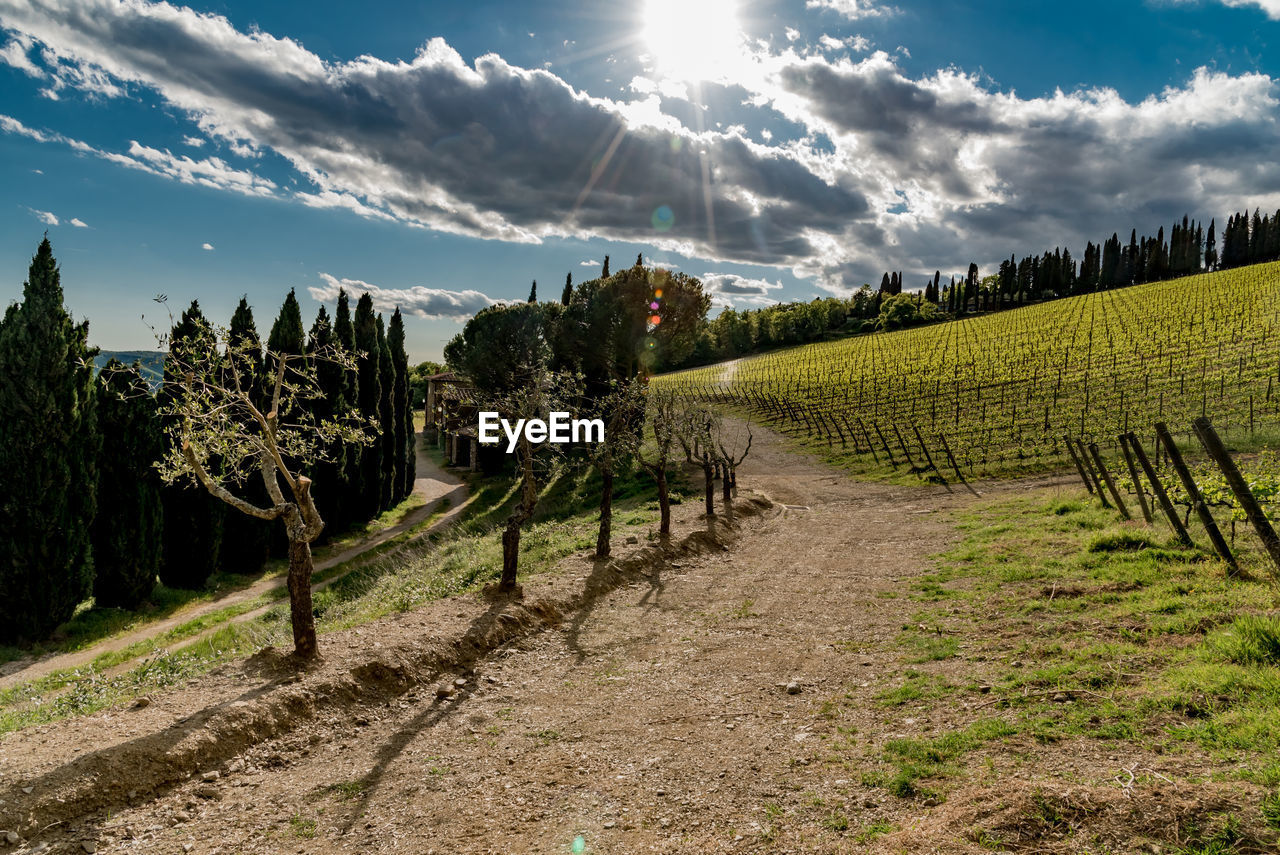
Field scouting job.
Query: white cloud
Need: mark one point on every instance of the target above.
(207, 247)
(46, 217)
(590, 262)
(852, 9)
(421, 301)
(194, 142)
(14, 53)
(1270, 7)
(78, 223)
(830, 42)
(730, 289)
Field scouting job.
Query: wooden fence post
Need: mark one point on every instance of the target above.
(1175, 521)
(1213, 445)
(1075, 458)
(1133, 476)
(1197, 501)
(951, 457)
(876, 425)
(1093, 474)
(1106, 477)
(911, 464)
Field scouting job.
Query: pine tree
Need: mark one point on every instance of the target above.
(368, 359)
(128, 528)
(389, 457)
(567, 295)
(246, 541)
(406, 441)
(533, 292)
(193, 520)
(48, 450)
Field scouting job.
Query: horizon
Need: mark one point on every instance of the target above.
(777, 151)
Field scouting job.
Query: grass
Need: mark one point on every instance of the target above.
(1087, 627)
(392, 581)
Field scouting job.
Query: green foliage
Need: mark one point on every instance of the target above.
(368, 362)
(906, 310)
(502, 349)
(1251, 640)
(246, 542)
(49, 446)
(390, 460)
(128, 528)
(193, 519)
(402, 399)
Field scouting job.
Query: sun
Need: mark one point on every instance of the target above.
(693, 40)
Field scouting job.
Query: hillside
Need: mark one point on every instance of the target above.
(152, 360)
(1001, 390)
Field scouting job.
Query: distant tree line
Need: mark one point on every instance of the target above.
(82, 506)
(1186, 249)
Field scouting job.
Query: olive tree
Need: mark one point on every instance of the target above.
(221, 438)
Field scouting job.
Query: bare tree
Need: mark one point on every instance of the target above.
(728, 440)
(698, 428)
(221, 437)
(533, 462)
(663, 416)
(623, 413)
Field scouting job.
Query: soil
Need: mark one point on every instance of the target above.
(680, 698)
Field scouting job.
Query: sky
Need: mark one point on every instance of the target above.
(442, 156)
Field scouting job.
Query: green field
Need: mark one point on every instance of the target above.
(1002, 390)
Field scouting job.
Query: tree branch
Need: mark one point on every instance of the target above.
(223, 493)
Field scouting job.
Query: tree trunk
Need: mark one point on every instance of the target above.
(709, 485)
(606, 512)
(299, 582)
(522, 514)
(664, 503)
(510, 554)
(726, 491)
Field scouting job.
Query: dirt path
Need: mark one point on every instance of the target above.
(657, 720)
(433, 484)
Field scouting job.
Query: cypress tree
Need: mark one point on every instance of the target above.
(350, 504)
(389, 459)
(48, 450)
(287, 334)
(604, 274)
(567, 294)
(128, 528)
(246, 540)
(287, 337)
(533, 292)
(193, 519)
(406, 441)
(327, 488)
(369, 355)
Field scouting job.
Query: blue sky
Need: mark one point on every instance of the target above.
(444, 155)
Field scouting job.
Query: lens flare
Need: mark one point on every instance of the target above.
(663, 218)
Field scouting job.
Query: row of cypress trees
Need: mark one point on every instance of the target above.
(82, 507)
(352, 485)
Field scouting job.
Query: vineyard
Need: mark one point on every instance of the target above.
(996, 394)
